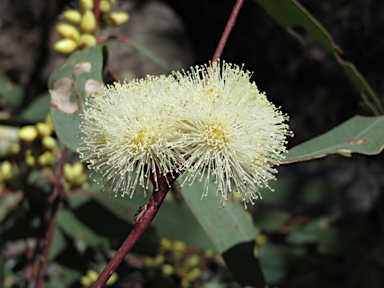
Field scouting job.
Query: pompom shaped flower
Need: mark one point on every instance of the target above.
(126, 134)
(228, 129)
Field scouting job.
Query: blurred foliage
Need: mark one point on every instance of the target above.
(295, 237)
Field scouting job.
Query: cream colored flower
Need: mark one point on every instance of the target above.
(228, 129)
(126, 134)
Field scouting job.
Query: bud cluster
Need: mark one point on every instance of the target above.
(80, 32)
(176, 259)
(40, 143)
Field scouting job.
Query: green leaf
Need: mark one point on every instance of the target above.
(84, 70)
(173, 221)
(269, 218)
(63, 277)
(230, 230)
(150, 54)
(58, 243)
(10, 94)
(364, 135)
(226, 227)
(290, 13)
(272, 263)
(73, 227)
(37, 111)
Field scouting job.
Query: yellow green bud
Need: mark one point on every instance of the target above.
(65, 46)
(194, 274)
(86, 4)
(68, 31)
(105, 6)
(6, 170)
(87, 40)
(15, 148)
(77, 169)
(48, 142)
(185, 283)
(209, 253)
(149, 262)
(93, 275)
(28, 133)
(193, 260)
(166, 243)
(48, 121)
(118, 18)
(44, 129)
(46, 159)
(178, 245)
(158, 260)
(68, 172)
(88, 22)
(72, 16)
(167, 269)
(30, 160)
(112, 280)
(85, 281)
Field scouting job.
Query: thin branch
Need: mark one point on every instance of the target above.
(112, 73)
(227, 30)
(78, 93)
(96, 12)
(141, 222)
(53, 206)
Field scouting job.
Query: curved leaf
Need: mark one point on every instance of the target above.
(290, 13)
(82, 71)
(364, 135)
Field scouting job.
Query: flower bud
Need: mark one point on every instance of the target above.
(30, 160)
(68, 31)
(65, 46)
(46, 159)
(14, 148)
(28, 133)
(112, 280)
(68, 172)
(44, 129)
(48, 121)
(6, 170)
(93, 275)
(86, 4)
(87, 40)
(167, 269)
(85, 281)
(72, 16)
(118, 18)
(88, 22)
(105, 6)
(48, 142)
(77, 169)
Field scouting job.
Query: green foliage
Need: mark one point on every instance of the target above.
(356, 135)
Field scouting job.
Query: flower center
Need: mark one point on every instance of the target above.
(142, 140)
(215, 136)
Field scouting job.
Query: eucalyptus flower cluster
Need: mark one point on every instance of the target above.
(208, 124)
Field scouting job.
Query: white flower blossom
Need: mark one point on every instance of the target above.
(126, 134)
(209, 122)
(228, 129)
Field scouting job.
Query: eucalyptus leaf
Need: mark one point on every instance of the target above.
(82, 70)
(359, 134)
(290, 14)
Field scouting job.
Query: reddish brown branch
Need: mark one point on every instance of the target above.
(54, 201)
(96, 12)
(227, 30)
(141, 222)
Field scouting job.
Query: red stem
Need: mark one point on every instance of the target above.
(141, 222)
(96, 12)
(51, 214)
(227, 30)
